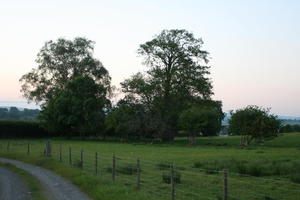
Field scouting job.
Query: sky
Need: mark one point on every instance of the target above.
(254, 45)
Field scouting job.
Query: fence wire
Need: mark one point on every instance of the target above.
(162, 180)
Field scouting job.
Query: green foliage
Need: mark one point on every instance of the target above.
(126, 120)
(61, 61)
(202, 120)
(176, 77)
(71, 85)
(78, 110)
(21, 129)
(290, 128)
(253, 123)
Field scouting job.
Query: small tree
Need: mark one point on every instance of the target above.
(196, 120)
(253, 123)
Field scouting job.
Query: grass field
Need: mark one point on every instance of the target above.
(258, 172)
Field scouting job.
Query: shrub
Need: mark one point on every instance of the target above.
(21, 129)
(166, 177)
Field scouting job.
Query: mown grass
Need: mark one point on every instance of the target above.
(276, 159)
(34, 185)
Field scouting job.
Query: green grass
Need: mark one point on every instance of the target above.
(276, 159)
(95, 187)
(34, 185)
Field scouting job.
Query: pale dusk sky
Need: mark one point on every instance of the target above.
(254, 45)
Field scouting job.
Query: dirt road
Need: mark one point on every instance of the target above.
(56, 187)
(12, 187)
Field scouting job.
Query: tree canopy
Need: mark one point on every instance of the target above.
(78, 110)
(253, 123)
(176, 77)
(58, 62)
(72, 86)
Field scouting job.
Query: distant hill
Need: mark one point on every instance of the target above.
(14, 113)
(21, 105)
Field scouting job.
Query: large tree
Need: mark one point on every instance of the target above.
(71, 85)
(176, 76)
(58, 62)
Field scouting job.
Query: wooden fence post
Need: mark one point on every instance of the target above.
(60, 159)
(96, 163)
(172, 182)
(225, 197)
(70, 155)
(138, 173)
(28, 148)
(81, 159)
(48, 149)
(113, 168)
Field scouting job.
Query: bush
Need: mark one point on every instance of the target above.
(21, 129)
(166, 177)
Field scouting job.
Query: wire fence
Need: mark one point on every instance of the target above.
(165, 181)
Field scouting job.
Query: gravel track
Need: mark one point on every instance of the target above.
(12, 186)
(57, 188)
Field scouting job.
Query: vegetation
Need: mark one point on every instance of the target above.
(289, 128)
(199, 166)
(74, 89)
(201, 120)
(14, 113)
(21, 129)
(78, 110)
(176, 80)
(71, 85)
(253, 123)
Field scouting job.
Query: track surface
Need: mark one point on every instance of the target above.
(57, 188)
(12, 187)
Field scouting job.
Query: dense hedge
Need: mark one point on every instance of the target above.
(21, 129)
